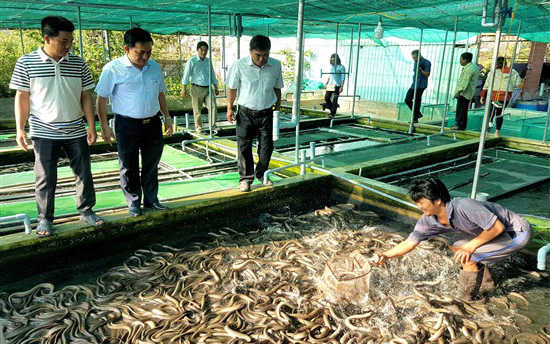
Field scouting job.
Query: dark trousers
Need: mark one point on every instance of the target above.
(409, 101)
(249, 126)
(46, 154)
(133, 136)
(496, 113)
(462, 105)
(331, 99)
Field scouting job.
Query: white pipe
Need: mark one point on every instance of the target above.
(299, 66)
(284, 125)
(19, 217)
(187, 121)
(446, 107)
(541, 257)
(496, 17)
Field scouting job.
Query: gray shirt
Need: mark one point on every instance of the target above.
(469, 216)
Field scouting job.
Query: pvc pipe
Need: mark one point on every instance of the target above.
(485, 118)
(541, 257)
(418, 59)
(108, 43)
(356, 71)
(312, 150)
(175, 123)
(210, 71)
(446, 107)
(19, 217)
(187, 121)
(224, 67)
(103, 44)
(180, 56)
(350, 58)
(496, 17)
(303, 159)
(290, 165)
(298, 78)
(546, 124)
(337, 32)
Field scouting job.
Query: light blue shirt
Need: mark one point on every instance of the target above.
(196, 72)
(134, 92)
(338, 77)
(256, 85)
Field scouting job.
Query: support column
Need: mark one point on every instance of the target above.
(356, 71)
(80, 33)
(418, 59)
(441, 68)
(21, 38)
(298, 77)
(446, 107)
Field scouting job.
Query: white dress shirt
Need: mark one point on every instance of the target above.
(196, 72)
(134, 92)
(256, 85)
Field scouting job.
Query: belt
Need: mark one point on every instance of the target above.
(255, 112)
(199, 85)
(140, 120)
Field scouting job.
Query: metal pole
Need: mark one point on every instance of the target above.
(180, 56)
(21, 37)
(441, 68)
(80, 33)
(131, 23)
(224, 67)
(350, 59)
(418, 59)
(103, 44)
(108, 42)
(337, 31)
(446, 107)
(210, 70)
(485, 117)
(511, 68)
(298, 77)
(238, 32)
(546, 125)
(356, 71)
(267, 30)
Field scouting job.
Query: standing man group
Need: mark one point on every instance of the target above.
(136, 87)
(199, 72)
(54, 94)
(420, 83)
(258, 79)
(465, 89)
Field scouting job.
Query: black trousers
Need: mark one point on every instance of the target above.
(250, 125)
(133, 136)
(331, 99)
(409, 101)
(496, 113)
(462, 105)
(46, 154)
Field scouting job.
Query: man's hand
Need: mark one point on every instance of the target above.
(457, 95)
(21, 139)
(482, 100)
(168, 128)
(463, 254)
(91, 135)
(183, 92)
(230, 115)
(379, 258)
(107, 134)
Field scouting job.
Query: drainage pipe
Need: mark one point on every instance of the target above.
(541, 257)
(282, 125)
(496, 16)
(300, 163)
(446, 107)
(19, 217)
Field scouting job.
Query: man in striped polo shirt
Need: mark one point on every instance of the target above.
(53, 92)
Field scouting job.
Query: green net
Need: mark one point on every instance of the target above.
(278, 19)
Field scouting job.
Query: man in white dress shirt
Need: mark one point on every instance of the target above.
(197, 72)
(259, 80)
(136, 87)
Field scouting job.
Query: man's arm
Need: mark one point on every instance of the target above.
(21, 109)
(231, 96)
(400, 249)
(106, 133)
(465, 251)
(87, 103)
(278, 103)
(423, 72)
(168, 129)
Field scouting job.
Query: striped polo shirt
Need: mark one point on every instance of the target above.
(55, 89)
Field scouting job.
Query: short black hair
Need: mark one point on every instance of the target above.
(135, 35)
(202, 44)
(429, 188)
(414, 52)
(338, 61)
(501, 62)
(260, 42)
(53, 24)
(467, 56)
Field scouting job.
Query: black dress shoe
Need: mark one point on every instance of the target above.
(156, 206)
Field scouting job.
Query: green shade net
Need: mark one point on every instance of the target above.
(279, 18)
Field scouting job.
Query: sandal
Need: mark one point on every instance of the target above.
(92, 219)
(44, 226)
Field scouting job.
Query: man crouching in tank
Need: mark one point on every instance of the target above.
(489, 233)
